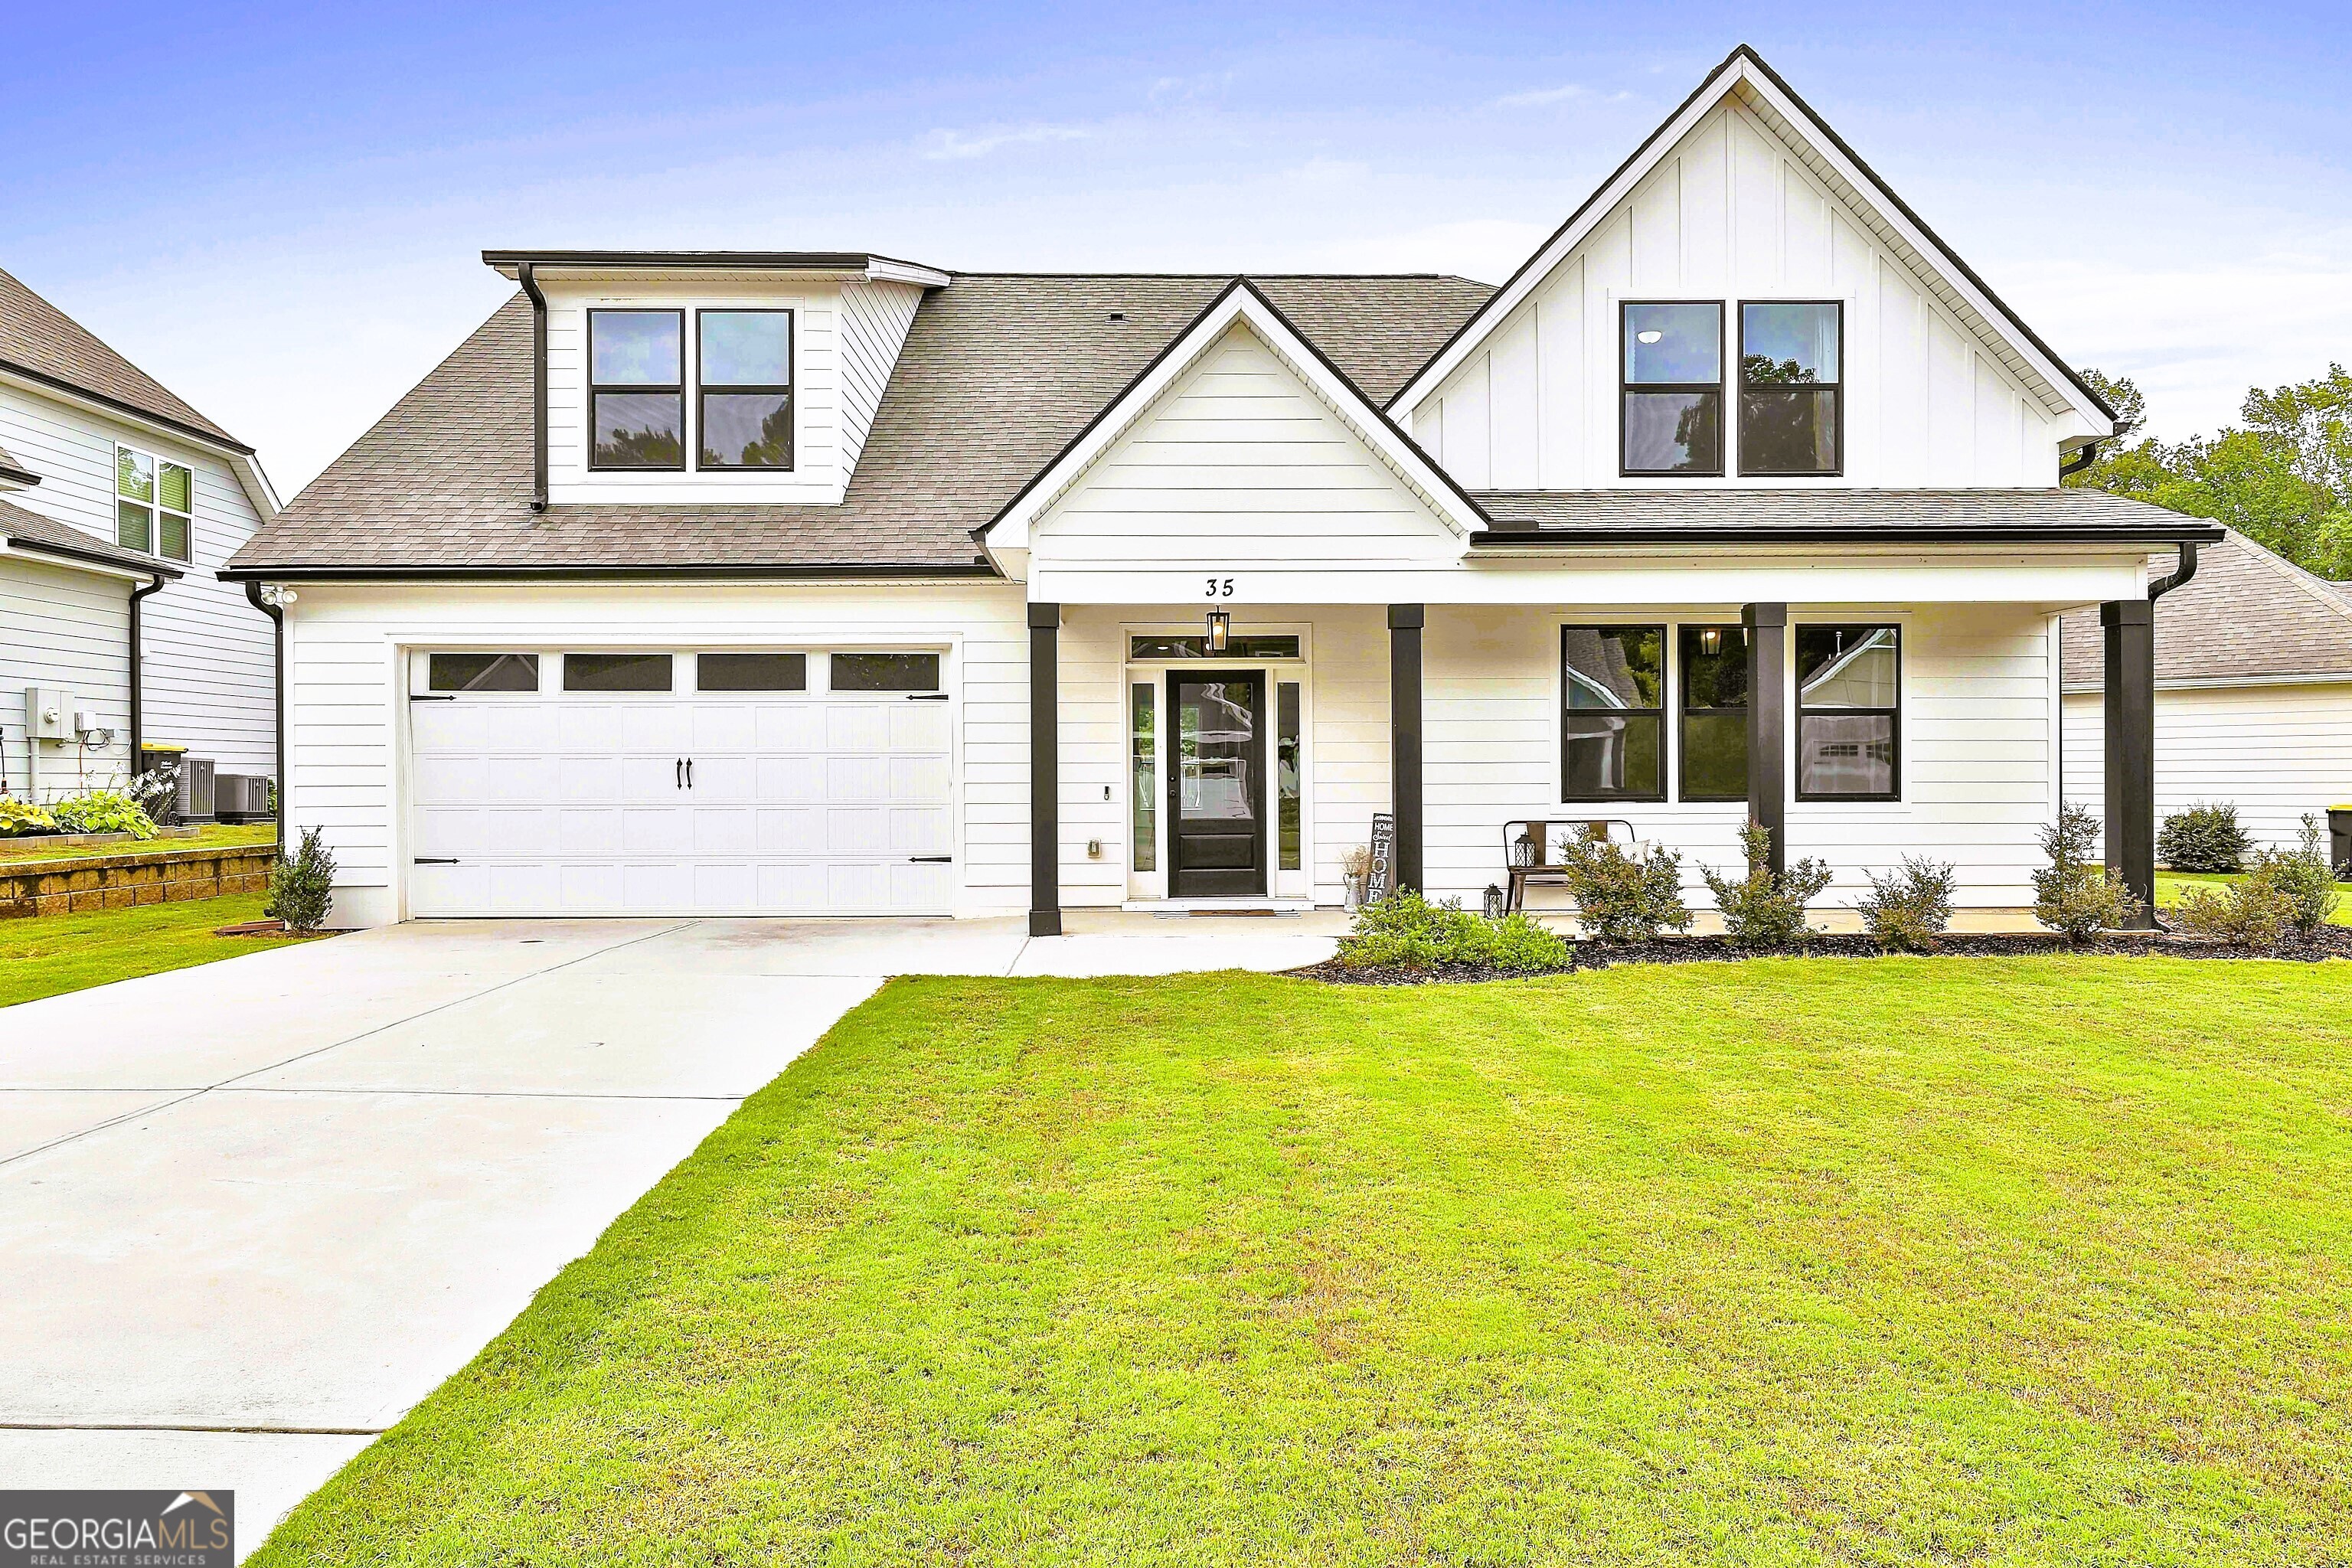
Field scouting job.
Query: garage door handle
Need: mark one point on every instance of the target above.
(433, 697)
(434, 861)
(932, 859)
(927, 696)
(677, 772)
(690, 772)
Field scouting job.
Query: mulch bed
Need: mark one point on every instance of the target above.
(2334, 942)
(269, 927)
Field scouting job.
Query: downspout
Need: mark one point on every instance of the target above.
(278, 620)
(523, 275)
(2179, 574)
(138, 706)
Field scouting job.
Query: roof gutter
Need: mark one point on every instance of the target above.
(2188, 536)
(754, 573)
(2178, 575)
(526, 275)
(153, 584)
(256, 595)
(19, 543)
(2084, 455)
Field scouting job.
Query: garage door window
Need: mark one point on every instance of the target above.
(886, 672)
(616, 672)
(750, 672)
(482, 672)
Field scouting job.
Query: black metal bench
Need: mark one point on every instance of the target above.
(1532, 853)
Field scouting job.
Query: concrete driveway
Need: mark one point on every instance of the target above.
(251, 1212)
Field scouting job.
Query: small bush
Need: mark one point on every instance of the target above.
(1762, 911)
(103, 811)
(2252, 911)
(2306, 876)
(1625, 897)
(2204, 838)
(1908, 908)
(301, 885)
(23, 816)
(1406, 930)
(2075, 894)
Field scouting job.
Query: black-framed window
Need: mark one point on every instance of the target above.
(1849, 713)
(637, 389)
(884, 671)
(750, 672)
(1791, 373)
(481, 672)
(743, 389)
(1671, 394)
(1714, 662)
(1242, 646)
(617, 671)
(1612, 723)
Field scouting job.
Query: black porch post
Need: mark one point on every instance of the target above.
(2129, 626)
(1768, 723)
(1404, 738)
(1045, 772)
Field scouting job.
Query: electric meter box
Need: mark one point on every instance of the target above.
(49, 713)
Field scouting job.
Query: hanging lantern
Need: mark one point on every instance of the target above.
(1221, 630)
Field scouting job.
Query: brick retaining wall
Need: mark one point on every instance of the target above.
(136, 877)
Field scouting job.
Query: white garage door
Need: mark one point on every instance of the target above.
(809, 783)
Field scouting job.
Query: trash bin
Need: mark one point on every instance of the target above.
(2339, 839)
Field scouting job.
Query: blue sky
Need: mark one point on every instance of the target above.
(278, 209)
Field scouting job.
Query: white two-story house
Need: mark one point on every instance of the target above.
(119, 503)
(829, 583)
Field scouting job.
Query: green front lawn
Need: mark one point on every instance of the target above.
(212, 835)
(2170, 885)
(44, 956)
(1871, 1261)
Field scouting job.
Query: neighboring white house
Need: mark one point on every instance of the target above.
(118, 504)
(824, 583)
(2253, 694)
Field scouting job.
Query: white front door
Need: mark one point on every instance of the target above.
(540, 800)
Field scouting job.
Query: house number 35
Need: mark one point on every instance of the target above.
(1221, 588)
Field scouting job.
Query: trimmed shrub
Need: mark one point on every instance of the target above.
(2252, 911)
(1908, 908)
(301, 885)
(103, 811)
(23, 816)
(2075, 894)
(1625, 897)
(1762, 911)
(1406, 930)
(2306, 876)
(2204, 838)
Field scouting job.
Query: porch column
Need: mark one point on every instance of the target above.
(1404, 738)
(1768, 723)
(2129, 626)
(1044, 771)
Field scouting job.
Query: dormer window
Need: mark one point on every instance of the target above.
(1673, 388)
(1790, 416)
(637, 394)
(743, 364)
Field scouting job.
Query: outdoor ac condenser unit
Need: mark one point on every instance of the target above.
(195, 789)
(240, 797)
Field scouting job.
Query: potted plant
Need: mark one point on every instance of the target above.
(1357, 865)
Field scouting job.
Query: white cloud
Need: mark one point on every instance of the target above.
(980, 143)
(1538, 97)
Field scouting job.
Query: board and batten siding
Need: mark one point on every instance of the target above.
(2274, 752)
(1978, 748)
(210, 685)
(1732, 214)
(347, 721)
(65, 630)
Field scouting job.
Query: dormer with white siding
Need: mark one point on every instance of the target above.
(1745, 304)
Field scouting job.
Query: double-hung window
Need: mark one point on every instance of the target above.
(154, 505)
(1612, 686)
(1849, 713)
(1715, 712)
(1673, 388)
(743, 380)
(636, 375)
(1790, 390)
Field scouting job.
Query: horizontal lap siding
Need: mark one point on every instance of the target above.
(1977, 741)
(875, 318)
(346, 716)
(2274, 752)
(65, 630)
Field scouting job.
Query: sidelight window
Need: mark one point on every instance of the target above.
(1143, 773)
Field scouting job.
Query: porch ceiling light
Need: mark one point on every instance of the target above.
(1221, 627)
(1711, 639)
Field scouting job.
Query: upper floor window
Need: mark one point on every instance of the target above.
(1673, 388)
(1790, 369)
(154, 505)
(636, 381)
(743, 379)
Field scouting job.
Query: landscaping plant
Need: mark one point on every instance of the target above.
(2307, 875)
(302, 884)
(1760, 911)
(2075, 894)
(1407, 931)
(2204, 838)
(1621, 897)
(1908, 908)
(103, 811)
(2285, 892)
(157, 791)
(23, 816)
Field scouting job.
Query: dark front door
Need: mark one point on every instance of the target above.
(1216, 790)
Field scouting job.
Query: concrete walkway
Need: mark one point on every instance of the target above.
(251, 1212)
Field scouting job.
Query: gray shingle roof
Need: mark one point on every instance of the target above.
(10, 468)
(2246, 616)
(998, 373)
(41, 341)
(47, 536)
(1763, 515)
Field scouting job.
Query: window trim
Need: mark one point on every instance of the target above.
(156, 510)
(1720, 386)
(686, 435)
(703, 389)
(1797, 705)
(1835, 388)
(1683, 711)
(1665, 630)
